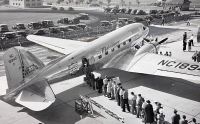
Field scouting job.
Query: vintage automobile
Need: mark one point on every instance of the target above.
(47, 23)
(34, 25)
(4, 28)
(19, 26)
(75, 27)
(21, 33)
(63, 21)
(83, 26)
(83, 16)
(9, 35)
(105, 24)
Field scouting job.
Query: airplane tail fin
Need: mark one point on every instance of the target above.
(20, 67)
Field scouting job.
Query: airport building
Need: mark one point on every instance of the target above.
(26, 3)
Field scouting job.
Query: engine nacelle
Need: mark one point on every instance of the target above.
(149, 47)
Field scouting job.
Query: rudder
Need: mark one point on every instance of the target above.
(19, 64)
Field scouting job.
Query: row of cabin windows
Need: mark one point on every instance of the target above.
(113, 49)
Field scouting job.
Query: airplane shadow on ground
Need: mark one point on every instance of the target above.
(63, 110)
(174, 86)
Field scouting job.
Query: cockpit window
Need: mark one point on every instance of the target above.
(144, 28)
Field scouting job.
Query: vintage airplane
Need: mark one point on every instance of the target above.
(122, 49)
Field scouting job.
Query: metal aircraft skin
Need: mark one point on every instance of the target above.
(122, 49)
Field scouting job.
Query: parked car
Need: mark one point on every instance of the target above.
(128, 11)
(63, 21)
(40, 32)
(83, 16)
(133, 12)
(123, 19)
(19, 26)
(4, 28)
(54, 30)
(83, 26)
(22, 33)
(47, 23)
(34, 25)
(74, 27)
(75, 20)
(65, 29)
(9, 35)
(105, 24)
(123, 10)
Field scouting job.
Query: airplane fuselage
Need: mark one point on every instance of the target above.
(99, 51)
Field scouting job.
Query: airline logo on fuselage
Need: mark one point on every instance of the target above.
(179, 65)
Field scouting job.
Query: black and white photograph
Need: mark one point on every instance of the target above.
(99, 61)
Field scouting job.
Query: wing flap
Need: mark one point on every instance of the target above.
(63, 46)
(37, 97)
(154, 64)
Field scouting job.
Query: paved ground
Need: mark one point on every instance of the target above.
(172, 93)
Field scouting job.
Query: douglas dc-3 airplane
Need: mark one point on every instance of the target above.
(121, 49)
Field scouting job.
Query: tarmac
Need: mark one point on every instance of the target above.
(173, 93)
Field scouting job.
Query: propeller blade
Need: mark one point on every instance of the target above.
(162, 41)
(147, 40)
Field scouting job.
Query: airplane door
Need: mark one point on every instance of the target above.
(85, 62)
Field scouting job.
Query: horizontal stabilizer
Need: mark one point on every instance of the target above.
(37, 97)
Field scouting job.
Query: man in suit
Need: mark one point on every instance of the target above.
(125, 100)
(139, 105)
(148, 113)
(175, 117)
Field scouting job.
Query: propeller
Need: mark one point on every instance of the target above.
(147, 40)
(163, 40)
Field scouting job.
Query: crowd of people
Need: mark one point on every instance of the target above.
(188, 43)
(133, 103)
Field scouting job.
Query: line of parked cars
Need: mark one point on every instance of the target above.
(116, 10)
(40, 28)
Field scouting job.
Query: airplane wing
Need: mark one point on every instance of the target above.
(63, 46)
(154, 64)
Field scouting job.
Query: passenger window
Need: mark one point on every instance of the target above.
(129, 40)
(100, 56)
(106, 53)
(118, 46)
(113, 49)
(124, 43)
